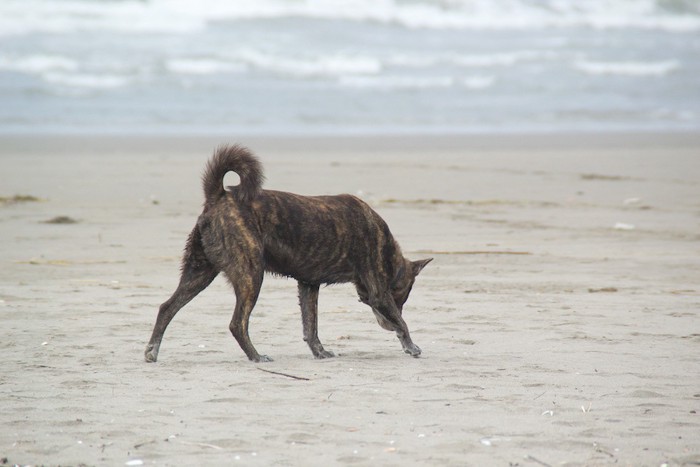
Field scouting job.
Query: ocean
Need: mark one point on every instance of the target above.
(349, 66)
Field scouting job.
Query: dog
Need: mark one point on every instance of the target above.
(245, 231)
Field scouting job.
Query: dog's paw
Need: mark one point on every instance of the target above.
(151, 354)
(324, 354)
(413, 350)
(262, 359)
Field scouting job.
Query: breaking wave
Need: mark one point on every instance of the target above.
(182, 16)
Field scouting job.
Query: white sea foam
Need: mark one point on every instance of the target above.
(86, 80)
(328, 65)
(472, 60)
(179, 16)
(37, 63)
(396, 82)
(627, 68)
(502, 59)
(478, 82)
(203, 66)
(19, 17)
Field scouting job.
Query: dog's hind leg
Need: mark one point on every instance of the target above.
(197, 274)
(246, 284)
(389, 318)
(308, 301)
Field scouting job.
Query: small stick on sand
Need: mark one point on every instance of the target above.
(284, 374)
(140, 445)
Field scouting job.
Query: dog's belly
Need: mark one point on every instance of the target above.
(312, 267)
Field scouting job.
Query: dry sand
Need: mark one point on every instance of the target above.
(559, 321)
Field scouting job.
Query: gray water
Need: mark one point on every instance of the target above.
(292, 66)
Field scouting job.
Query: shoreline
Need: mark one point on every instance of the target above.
(90, 142)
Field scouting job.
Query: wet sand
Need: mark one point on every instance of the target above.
(559, 321)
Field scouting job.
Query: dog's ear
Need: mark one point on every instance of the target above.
(419, 265)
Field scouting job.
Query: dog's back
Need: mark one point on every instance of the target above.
(314, 239)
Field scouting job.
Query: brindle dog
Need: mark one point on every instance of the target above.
(244, 231)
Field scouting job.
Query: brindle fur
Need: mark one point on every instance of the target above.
(245, 231)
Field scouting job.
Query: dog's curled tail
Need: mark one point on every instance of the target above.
(232, 158)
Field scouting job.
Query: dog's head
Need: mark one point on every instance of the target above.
(403, 282)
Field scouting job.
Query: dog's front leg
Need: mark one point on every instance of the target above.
(390, 318)
(308, 301)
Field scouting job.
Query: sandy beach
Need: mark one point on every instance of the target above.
(558, 322)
